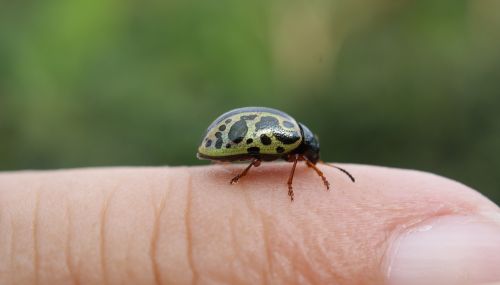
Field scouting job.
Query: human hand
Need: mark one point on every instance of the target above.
(187, 225)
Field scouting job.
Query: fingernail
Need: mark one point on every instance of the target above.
(446, 250)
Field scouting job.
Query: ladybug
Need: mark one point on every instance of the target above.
(258, 134)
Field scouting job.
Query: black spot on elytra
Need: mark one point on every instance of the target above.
(228, 145)
(287, 138)
(288, 124)
(265, 139)
(249, 141)
(227, 121)
(222, 128)
(248, 117)
(266, 122)
(280, 149)
(238, 131)
(218, 134)
(218, 143)
(208, 143)
(253, 150)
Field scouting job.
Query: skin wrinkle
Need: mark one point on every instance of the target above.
(128, 269)
(307, 267)
(102, 241)
(102, 235)
(69, 262)
(382, 244)
(156, 231)
(6, 218)
(290, 259)
(2, 222)
(234, 243)
(322, 255)
(308, 243)
(247, 202)
(266, 269)
(187, 224)
(36, 258)
(267, 248)
(12, 242)
(12, 245)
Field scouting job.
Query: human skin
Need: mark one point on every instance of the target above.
(188, 225)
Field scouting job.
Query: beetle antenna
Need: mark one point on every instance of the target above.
(341, 169)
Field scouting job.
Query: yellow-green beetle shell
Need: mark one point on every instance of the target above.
(250, 132)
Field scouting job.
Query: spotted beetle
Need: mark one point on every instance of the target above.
(258, 134)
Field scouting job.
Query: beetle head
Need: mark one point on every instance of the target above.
(310, 145)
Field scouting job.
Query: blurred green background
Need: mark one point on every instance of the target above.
(412, 84)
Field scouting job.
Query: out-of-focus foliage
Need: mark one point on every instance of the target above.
(413, 84)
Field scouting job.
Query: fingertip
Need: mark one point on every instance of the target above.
(358, 217)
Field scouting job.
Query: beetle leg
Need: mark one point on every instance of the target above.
(290, 179)
(319, 172)
(255, 162)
